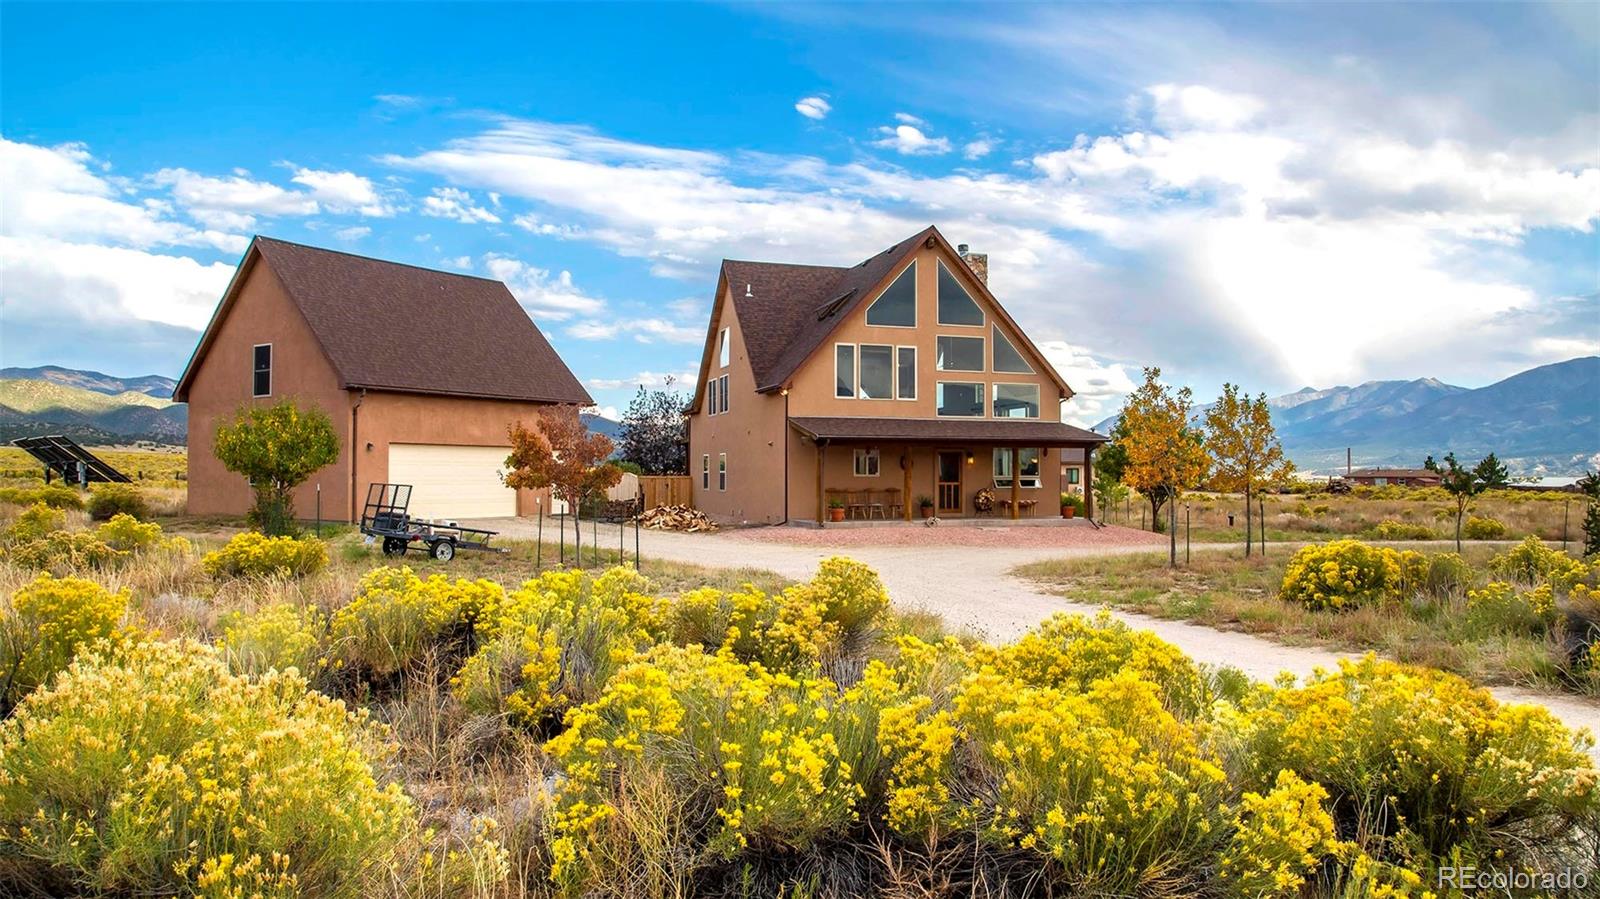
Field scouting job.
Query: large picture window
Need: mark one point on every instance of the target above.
(896, 307)
(959, 399)
(1016, 401)
(1006, 357)
(877, 372)
(261, 382)
(1027, 461)
(956, 306)
(906, 377)
(958, 353)
(844, 371)
(866, 463)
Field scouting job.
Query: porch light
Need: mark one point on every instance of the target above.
(969, 458)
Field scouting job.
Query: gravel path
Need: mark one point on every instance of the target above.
(936, 570)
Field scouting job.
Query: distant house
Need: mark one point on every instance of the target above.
(421, 371)
(1404, 477)
(871, 386)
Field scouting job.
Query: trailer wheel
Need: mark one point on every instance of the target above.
(394, 546)
(443, 550)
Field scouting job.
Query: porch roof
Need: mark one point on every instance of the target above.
(946, 430)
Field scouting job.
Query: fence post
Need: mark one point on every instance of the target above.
(577, 530)
(538, 540)
(594, 538)
(1187, 527)
(1263, 516)
(1565, 505)
(319, 510)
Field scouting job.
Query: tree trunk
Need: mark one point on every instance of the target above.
(1248, 531)
(1461, 510)
(1155, 515)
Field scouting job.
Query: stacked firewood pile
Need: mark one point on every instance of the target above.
(677, 518)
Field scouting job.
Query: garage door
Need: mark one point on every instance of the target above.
(453, 481)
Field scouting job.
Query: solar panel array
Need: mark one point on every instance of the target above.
(64, 457)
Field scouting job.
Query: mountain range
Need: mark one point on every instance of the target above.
(1541, 422)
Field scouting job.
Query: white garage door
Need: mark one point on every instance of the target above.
(453, 482)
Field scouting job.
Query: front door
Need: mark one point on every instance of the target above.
(949, 481)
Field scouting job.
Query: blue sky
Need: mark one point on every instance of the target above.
(1272, 195)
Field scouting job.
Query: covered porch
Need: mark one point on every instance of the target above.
(873, 470)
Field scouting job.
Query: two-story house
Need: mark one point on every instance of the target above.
(872, 387)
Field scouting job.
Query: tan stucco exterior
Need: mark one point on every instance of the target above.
(366, 422)
(772, 469)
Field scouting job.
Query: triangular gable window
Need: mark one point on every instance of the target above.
(1006, 357)
(896, 307)
(956, 306)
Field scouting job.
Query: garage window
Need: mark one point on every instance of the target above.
(261, 384)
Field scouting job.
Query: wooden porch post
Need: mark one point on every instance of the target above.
(906, 461)
(1088, 482)
(1016, 483)
(822, 511)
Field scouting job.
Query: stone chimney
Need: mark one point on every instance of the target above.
(978, 262)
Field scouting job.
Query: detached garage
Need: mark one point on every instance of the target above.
(421, 371)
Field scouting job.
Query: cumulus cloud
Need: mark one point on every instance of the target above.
(650, 380)
(458, 205)
(344, 192)
(1098, 386)
(909, 140)
(353, 233)
(544, 294)
(815, 108)
(642, 330)
(977, 149)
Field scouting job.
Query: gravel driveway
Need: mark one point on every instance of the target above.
(962, 574)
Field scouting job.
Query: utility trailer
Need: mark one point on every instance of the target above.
(384, 517)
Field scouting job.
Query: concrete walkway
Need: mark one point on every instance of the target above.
(972, 588)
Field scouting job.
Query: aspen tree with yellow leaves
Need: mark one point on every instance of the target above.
(1246, 456)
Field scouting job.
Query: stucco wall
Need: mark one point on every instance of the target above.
(839, 473)
(753, 432)
(262, 313)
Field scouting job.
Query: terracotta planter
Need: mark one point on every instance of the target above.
(836, 515)
(1068, 511)
(927, 511)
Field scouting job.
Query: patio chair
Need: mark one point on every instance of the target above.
(875, 503)
(892, 503)
(856, 503)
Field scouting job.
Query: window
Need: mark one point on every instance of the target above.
(956, 306)
(877, 372)
(1073, 475)
(906, 377)
(722, 347)
(722, 471)
(1016, 401)
(896, 307)
(262, 383)
(867, 463)
(959, 398)
(723, 390)
(844, 370)
(1027, 460)
(705, 472)
(711, 397)
(1006, 357)
(958, 353)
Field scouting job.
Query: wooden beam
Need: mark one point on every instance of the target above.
(1016, 483)
(1088, 482)
(906, 460)
(822, 510)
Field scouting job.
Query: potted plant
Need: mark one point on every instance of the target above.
(836, 509)
(925, 506)
(1070, 504)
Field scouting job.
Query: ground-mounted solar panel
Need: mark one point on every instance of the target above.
(64, 458)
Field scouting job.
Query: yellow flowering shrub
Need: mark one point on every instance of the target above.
(1501, 606)
(36, 521)
(156, 772)
(1484, 528)
(783, 631)
(852, 597)
(1417, 754)
(64, 552)
(1071, 652)
(1530, 562)
(759, 760)
(252, 554)
(397, 617)
(129, 534)
(557, 640)
(1278, 838)
(49, 620)
(1341, 574)
(275, 638)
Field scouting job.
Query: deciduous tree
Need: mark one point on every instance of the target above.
(1164, 454)
(277, 448)
(1463, 484)
(559, 452)
(655, 431)
(1246, 456)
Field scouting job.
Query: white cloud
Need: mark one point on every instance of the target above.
(906, 118)
(650, 380)
(343, 192)
(354, 233)
(1098, 387)
(463, 263)
(231, 202)
(1192, 104)
(977, 149)
(543, 295)
(454, 203)
(816, 108)
(65, 281)
(908, 140)
(643, 330)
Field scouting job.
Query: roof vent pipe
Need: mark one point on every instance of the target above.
(747, 290)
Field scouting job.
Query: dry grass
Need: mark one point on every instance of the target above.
(1318, 516)
(1227, 591)
(167, 467)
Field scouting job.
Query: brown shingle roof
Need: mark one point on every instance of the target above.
(953, 430)
(391, 326)
(789, 310)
